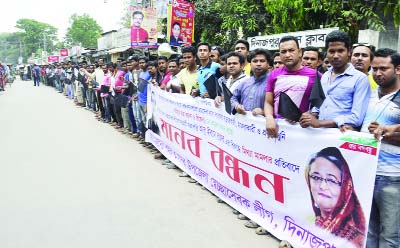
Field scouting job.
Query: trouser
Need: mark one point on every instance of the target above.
(384, 223)
(73, 88)
(126, 119)
(83, 91)
(91, 101)
(100, 103)
(118, 115)
(70, 91)
(132, 118)
(142, 109)
(36, 81)
(106, 103)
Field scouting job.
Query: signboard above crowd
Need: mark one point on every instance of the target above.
(315, 37)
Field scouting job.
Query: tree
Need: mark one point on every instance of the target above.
(35, 35)
(351, 16)
(9, 48)
(84, 30)
(125, 20)
(221, 22)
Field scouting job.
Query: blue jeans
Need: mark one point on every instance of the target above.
(384, 224)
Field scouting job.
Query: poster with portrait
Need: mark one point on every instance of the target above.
(143, 25)
(311, 187)
(180, 23)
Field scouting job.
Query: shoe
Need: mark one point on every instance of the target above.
(284, 244)
(135, 135)
(171, 166)
(242, 217)
(261, 231)
(191, 180)
(165, 162)
(183, 174)
(142, 142)
(234, 211)
(159, 155)
(219, 200)
(251, 224)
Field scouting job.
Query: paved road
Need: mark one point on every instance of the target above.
(69, 181)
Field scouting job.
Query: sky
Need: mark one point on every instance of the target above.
(107, 13)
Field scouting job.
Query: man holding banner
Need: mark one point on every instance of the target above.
(346, 89)
(383, 114)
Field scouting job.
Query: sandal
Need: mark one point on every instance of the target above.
(261, 231)
(251, 224)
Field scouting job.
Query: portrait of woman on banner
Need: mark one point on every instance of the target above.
(334, 201)
(175, 39)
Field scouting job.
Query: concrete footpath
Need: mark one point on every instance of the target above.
(70, 181)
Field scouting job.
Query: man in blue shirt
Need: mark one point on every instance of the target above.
(383, 114)
(346, 89)
(207, 67)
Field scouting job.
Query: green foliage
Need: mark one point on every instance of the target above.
(35, 35)
(9, 47)
(125, 20)
(223, 22)
(84, 30)
(294, 15)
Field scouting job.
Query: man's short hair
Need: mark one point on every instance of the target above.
(219, 49)
(244, 42)
(387, 52)
(223, 57)
(152, 63)
(314, 49)
(236, 54)
(276, 54)
(203, 44)
(163, 58)
(189, 49)
(174, 61)
(370, 47)
(289, 38)
(133, 57)
(261, 51)
(338, 36)
(143, 58)
(137, 12)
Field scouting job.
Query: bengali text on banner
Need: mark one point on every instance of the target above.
(311, 187)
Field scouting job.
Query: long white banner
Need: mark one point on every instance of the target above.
(312, 187)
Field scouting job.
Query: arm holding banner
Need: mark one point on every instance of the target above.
(272, 128)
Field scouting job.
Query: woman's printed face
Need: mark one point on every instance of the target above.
(325, 182)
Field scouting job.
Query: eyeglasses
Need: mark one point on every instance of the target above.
(329, 181)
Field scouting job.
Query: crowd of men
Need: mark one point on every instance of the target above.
(360, 92)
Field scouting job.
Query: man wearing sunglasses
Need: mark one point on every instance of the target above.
(361, 58)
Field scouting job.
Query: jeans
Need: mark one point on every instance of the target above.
(384, 224)
(91, 99)
(132, 118)
(106, 104)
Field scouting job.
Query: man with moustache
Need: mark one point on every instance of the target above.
(249, 94)
(293, 78)
(361, 58)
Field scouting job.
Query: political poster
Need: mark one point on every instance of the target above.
(180, 23)
(143, 25)
(311, 187)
